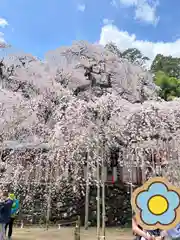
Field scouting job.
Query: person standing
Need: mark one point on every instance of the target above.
(5, 213)
(14, 212)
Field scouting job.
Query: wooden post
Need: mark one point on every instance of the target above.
(103, 202)
(132, 161)
(49, 196)
(143, 167)
(77, 229)
(48, 209)
(86, 222)
(22, 224)
(98, 201)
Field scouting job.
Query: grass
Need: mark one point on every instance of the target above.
(68, 234)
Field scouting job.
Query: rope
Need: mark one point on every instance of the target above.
(118, 230)
(66, 223)
(84, 234)
(101, 236)
(43, 225)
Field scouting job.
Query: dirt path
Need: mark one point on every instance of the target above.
(68, 234)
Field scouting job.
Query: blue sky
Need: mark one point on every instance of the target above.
(38, 26)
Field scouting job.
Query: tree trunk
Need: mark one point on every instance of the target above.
(86, 223)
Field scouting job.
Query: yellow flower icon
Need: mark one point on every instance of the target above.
(157, 204)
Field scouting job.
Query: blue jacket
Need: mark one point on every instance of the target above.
(5, 211)
(14, 208)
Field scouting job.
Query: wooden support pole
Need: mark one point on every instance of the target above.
(103, 202)
(77, 229)
(98, 200)
(86, 222)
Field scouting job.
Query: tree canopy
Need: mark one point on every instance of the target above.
(133, 55)
(76, 107)
(167, 64)
(170, 86)
(167, 74)
(166, 69)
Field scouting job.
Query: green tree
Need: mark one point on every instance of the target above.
(133, 55)
(170, 86)
(114, 49)
(169, 65)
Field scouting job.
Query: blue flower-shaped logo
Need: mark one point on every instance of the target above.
(157, 204)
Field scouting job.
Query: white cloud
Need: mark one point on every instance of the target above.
(129, 3)
(114, 3)
(2, 41)
(124, 40)
(107, 21)
(81, 7)
(145, 10)
(3, 22)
